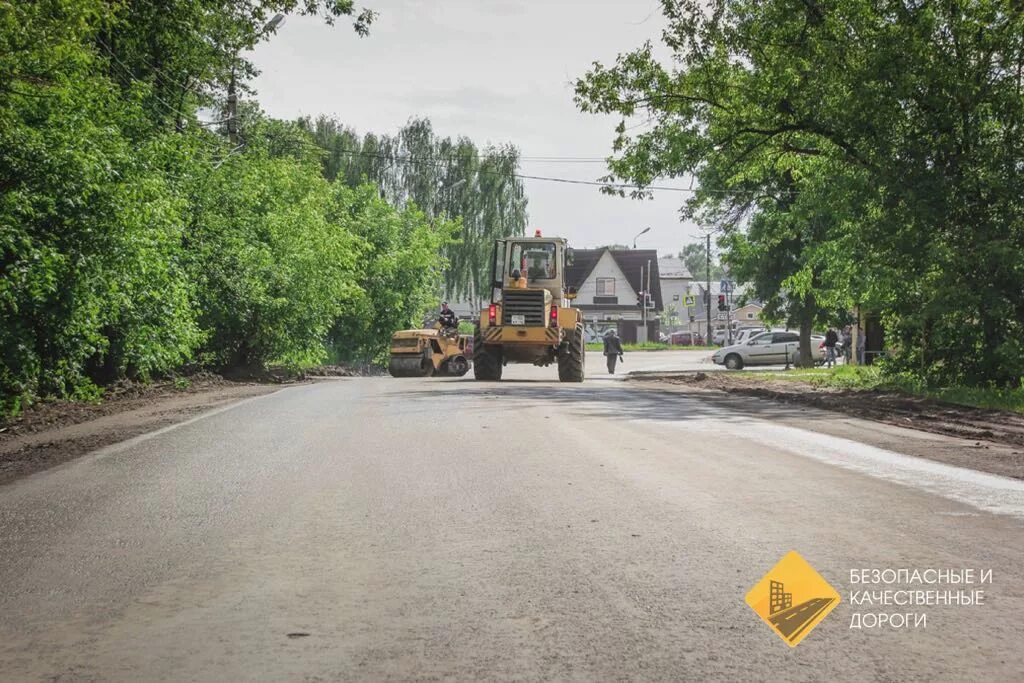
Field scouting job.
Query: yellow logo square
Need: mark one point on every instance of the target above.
(792, 598)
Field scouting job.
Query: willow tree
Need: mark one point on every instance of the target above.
(444, 178)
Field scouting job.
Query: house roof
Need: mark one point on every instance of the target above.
(630, 262)
(583, 263)
(673, 268)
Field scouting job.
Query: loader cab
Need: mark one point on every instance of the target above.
(539, 261)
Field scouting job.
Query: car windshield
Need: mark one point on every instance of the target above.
(535, 260)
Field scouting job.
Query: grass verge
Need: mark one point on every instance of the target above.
(867, 378)
(651, 346)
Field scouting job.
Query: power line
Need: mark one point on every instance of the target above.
(532, 160)
(570, 181)
(442, 160)
(213, 146)
(598, 183)
(151, 66)
(436, 160)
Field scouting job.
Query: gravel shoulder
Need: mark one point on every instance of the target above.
(985, 440)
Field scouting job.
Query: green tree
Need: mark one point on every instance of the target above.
(399, 269)
(876, 141)
(443, 177)
(134, 239)
(694, 255)
(90, 221)
(271, 270)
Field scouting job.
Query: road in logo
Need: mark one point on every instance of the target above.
(792, 598)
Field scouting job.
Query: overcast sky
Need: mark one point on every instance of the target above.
(493, 70)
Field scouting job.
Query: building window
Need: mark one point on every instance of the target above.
(750, 316)
(606, 286)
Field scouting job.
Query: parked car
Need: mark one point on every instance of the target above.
(685, 339)
(718, 337)
(767, 348)
(745, 334)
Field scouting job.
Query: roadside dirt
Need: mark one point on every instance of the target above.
(993, 440)
(52, 433)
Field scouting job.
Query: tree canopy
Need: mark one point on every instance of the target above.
(851, 153)
(695, 256)
(137, 239)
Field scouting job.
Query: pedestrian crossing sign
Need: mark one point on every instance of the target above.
(792, 598)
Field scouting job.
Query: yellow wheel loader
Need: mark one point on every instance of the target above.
(422, 353)
(530, 319)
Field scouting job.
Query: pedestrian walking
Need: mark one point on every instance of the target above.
(831, 339)
(847, 340)
(612, 349)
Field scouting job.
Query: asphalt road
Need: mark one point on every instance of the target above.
(394, 529)
(790, 622)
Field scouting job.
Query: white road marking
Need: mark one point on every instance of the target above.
(988, 492)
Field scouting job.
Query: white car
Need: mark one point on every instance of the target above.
(767, 348)
(745, 334)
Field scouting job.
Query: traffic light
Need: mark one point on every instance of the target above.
(722, 306)
(640, 299)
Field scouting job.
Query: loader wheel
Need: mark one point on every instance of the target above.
(572, 363)
(486, 364)
(458, 366)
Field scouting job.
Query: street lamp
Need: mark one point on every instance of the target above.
(276, 21)
(642, 232)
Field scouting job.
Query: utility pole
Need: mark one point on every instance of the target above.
(647, 294)
(232, 111)
(707, 295)
(728, 315)
(271, 25)
(641, 333)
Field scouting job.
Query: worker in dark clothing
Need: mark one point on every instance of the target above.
(612, 350)
(831, 339)
(448, 320)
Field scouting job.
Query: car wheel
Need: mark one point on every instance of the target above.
(734, 362)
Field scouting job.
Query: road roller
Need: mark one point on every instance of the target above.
(427, 353)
